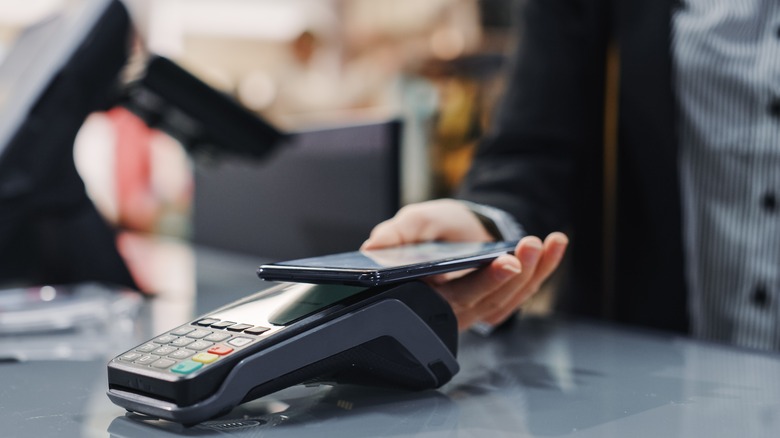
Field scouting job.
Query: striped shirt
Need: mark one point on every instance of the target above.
(726, 57)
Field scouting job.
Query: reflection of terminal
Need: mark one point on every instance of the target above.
(375, 412)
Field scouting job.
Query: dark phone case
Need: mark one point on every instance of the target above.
(371, 277)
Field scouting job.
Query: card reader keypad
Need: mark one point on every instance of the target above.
(189, 348)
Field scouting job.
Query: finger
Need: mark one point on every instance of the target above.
(537, 261)
(470, 289)
(555, 247)
(528, 252)
(442, 219)
(383, 235)
(448, 276)
(497, 300)
(410, 225)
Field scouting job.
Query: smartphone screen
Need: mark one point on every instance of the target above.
(386, 265)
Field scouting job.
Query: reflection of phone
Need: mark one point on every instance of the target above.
(387, 265)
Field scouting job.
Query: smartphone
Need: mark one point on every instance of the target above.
(387, 265)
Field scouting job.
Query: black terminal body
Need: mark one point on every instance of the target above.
(404, 335)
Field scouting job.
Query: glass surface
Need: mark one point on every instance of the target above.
(540, 378)
(48, 309)
(536, 378)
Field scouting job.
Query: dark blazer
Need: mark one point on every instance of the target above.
(544, 160)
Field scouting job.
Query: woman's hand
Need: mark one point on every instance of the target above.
(490, 294)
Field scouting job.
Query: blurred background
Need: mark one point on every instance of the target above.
(438, 66)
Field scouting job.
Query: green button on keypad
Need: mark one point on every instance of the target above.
(186, 367)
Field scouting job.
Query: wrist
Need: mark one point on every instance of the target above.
(498, 223)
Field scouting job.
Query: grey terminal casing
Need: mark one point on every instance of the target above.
(403, 335)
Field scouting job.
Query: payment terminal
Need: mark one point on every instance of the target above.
(401, 335)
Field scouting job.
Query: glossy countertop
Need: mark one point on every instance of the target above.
(538, 377)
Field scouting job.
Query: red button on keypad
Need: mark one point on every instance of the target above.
(220, 350)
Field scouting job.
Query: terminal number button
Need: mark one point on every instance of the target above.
(181, 354)
(146, 359)
(217, 337)
(240, 341)
(131, 356)
(200, 345)
(181, 331)
(164, 350)
(147, 348)
(163, 363)
(181, 342)
(198, 334)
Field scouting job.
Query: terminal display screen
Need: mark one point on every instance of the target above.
(284, 306)
(312, 301)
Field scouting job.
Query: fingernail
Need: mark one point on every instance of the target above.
(559, 250)
(533, 243)
(513, 269)
(508, 271)
(532, 253)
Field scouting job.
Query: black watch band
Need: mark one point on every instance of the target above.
(489, 225)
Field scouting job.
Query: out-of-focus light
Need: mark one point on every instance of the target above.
(25, 13)
(447, 43)
(275, 20)
(47, 293)
(216, 77)
(256, 90)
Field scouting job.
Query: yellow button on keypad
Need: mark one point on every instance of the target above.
(205, 357)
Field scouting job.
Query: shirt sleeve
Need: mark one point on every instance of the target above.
(500, 224)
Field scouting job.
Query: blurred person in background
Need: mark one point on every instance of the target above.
(676, 228)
